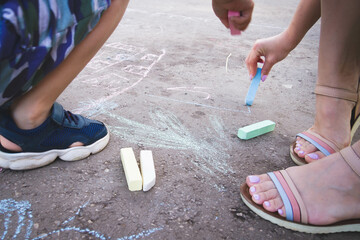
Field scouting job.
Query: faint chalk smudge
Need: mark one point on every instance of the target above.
(169, 133)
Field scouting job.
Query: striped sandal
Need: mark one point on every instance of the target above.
(296, 213)
(325, 146)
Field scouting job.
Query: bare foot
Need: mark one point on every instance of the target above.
(329, 187)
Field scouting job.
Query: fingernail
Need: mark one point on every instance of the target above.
(263, 78)
(254, 179)
(256, 197)
(252, 189)
(313, 156)
(301, 152)
(297, 148)
(251, 77)
(266, 203)
(280, 211)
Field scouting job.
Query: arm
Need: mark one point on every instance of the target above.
(276, 48)
(221, 8)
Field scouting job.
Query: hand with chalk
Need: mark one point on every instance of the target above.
(233, 30)
(268, 51)
(222, 7)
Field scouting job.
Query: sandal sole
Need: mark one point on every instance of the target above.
(344, 226)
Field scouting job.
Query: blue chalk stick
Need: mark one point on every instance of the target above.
(253, 88)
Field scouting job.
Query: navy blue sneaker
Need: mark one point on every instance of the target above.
(42, 145)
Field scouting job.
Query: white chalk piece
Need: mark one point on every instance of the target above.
(131, 169)
(147, 169)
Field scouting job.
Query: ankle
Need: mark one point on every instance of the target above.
(28, 116)
(332, 112)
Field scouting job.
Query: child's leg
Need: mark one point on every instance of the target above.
(31, 109)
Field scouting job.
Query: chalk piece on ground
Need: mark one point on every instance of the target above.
(131, 169)
(233, 30)
(256, 129)
(147, 169)
(253, 88)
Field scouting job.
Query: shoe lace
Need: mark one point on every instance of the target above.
(71, 117)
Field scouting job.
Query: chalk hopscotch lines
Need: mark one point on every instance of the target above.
(20, 212)
(18, 223)
(169, 133)
(122, 67)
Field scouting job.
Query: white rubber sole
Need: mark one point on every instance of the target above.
(31, 160)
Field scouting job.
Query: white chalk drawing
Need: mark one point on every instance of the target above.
(117, 68)
(18, 223)
(200, 104)
(171, 16)
(192, 89)
(226, 63)
(169, 133)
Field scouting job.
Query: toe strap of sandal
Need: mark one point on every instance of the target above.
(323, 145)
(294, 205)
(336, 93)
(352, 158)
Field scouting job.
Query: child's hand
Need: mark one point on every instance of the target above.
(268, 51)
(221, 8)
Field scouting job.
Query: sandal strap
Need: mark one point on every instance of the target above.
(351, 158)
(336, 93)
(294, 206)
(303, 210)
(325, 146)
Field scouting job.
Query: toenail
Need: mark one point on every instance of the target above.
(301, 152)
(280, 211)
(252, 189)
(254, 179)
(297, 149)
(256, 197)
(298, 145)
(313, 156)
(266, 203)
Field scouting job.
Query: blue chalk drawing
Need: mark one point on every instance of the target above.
(18, 223)
(19, 212)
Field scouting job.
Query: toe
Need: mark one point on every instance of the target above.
(311, 157)
(261, 197)
(261, 188)
(281, 211)
(256, 179)
(273, 205)
(303, 148)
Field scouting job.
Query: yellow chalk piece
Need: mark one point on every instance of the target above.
(131, 169)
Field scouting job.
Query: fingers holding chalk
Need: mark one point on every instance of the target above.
(233, 29)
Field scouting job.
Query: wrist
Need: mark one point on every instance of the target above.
(290, 39)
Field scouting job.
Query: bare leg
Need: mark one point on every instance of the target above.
(329, 187)
(339, 67)
(31, 109)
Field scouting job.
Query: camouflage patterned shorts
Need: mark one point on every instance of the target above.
(37, 35)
